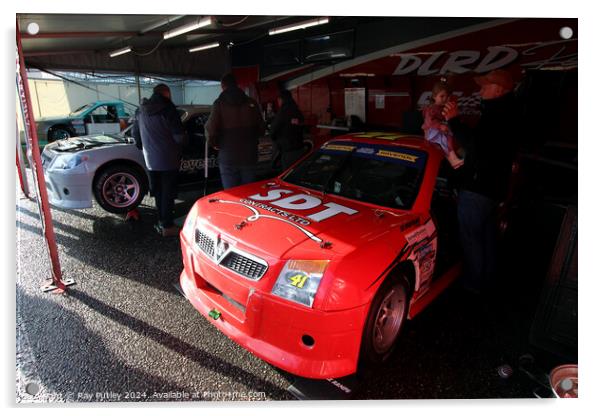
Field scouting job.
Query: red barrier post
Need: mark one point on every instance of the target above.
(57, 285)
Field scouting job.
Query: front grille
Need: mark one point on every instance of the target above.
(205, 243)
(238, 261)
(244, 266)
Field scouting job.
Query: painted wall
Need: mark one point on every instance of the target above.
(51, 98)
(398, 83)
(201, 94)
(55, 97)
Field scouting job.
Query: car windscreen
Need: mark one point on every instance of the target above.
(389, 176)
(80, 110)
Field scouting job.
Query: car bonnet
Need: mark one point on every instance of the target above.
(329, 224)
(76, 144)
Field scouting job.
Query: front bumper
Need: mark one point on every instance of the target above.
(270, 327)
(69, 190)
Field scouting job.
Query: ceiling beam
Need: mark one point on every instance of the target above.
(57, 35)
(49, 53)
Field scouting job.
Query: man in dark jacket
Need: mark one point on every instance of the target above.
(287, 130)
(234, 127)
(159, 132)
(483, 180)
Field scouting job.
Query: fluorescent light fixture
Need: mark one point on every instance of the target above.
(121, 51)
(203, 47)
(202, 22)
(300, 25)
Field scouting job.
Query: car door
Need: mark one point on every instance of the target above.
(444, 212)
(102, 120)
(192, 166)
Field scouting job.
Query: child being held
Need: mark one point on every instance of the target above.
(435, 126)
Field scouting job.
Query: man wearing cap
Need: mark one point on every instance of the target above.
(483, 180)
(234, 128)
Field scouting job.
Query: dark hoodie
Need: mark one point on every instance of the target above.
(159, 131)
(234, 126)
(490, 147)
(286, 133)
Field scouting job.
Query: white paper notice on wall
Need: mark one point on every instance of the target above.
(355, 102)
(379, 101)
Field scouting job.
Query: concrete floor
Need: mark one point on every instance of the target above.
(123, 333)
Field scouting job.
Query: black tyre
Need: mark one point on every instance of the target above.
(386, 318)
(120, 188)
(58, 133)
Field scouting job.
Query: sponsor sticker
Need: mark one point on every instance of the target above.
(192, 165)
(397, 155)
(426, 259)
(290, 217)
(421, 233)
(339, 147)
(379, 135)
(392, 154)
(298, 280)
(370, 134)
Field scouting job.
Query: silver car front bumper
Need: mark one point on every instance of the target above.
(68, 190)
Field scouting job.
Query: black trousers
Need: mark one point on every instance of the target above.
(163, 185)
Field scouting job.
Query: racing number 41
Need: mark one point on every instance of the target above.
(298, 280)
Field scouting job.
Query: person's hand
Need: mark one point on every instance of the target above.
(450, 110)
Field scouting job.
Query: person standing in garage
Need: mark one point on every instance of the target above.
(233, 128)
(483, 180)
(287, 129)
(159, 132)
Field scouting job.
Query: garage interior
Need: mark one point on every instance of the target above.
(123, 332)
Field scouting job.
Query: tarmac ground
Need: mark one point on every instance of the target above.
(124, 333)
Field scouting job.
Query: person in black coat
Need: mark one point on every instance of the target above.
(159, 132)
(287, 130)
(484, 178)
(234, 128)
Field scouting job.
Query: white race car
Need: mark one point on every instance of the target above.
(110, 168)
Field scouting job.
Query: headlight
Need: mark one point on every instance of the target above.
(190, 223)
(68, 161)
(299, 280)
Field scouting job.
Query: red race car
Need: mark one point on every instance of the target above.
(320, 267)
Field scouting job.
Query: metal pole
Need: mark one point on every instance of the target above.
(21, 164)
(57, 285)
(206, 158)
(206, 166)
(138, 87)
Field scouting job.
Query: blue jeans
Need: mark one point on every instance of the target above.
(476, 220)
(236, 175)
